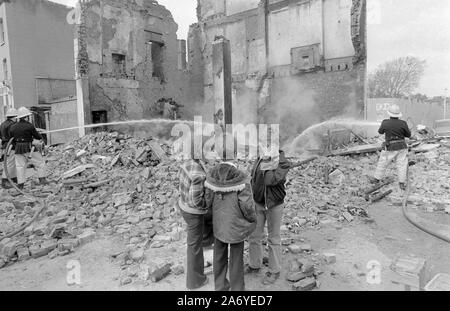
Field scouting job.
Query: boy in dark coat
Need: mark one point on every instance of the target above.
(234, 219)
(269, 192)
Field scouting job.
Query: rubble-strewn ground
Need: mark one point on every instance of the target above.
(117, 217)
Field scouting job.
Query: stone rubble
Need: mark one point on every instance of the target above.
(109, 184)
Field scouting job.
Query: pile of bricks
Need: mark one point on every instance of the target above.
(107, 183)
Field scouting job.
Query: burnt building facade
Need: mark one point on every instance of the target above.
(134, 63)
(293, 62)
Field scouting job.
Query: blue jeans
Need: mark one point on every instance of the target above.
(273, 217)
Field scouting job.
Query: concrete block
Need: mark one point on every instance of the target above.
(87, 236)
(137, 255)
(68, 244)
(329, 258)
(294, 266)
(3, 243)
(53, 254)
(36, 251)
(306, 248)
(298, 276)
(178, 270)
(9, 249)
(305, 285)
(49, 245)
(23, 253)
(28, 231)
(409, 271)
(308, 267)
(295, 249)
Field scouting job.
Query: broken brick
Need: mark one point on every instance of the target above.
(295, 249)
(23, 254)
(305, 284)
(36, 251)
(329, 258)
(87, 236)
(298, 276)
(67, 244)
(305, 247)
(9, 249)
(137, 255)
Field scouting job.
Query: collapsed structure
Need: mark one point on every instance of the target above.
(293, 63)
(129, 54)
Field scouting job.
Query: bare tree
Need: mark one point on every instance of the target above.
(396, 78)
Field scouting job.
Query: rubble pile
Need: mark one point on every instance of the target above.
(109, 184)
(106, 182)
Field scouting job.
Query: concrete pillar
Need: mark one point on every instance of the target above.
(82, 71)
(182, 63)
(222, 81)
(83, 104)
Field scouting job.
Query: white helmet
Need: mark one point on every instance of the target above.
(12, 113)
(23, 112)
(394, 111)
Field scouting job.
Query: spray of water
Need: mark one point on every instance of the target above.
(311, 140)
(118, 123)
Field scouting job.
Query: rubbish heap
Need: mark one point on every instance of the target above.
(110, 184)
(106, 182)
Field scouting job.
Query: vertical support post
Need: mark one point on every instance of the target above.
(82, 71)
(83, 104)
(222, 80)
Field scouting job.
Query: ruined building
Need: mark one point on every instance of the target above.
(135, 66)
(293, 62)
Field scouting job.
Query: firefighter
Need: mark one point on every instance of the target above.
(28, 142)
(395, 147)
(5, 135)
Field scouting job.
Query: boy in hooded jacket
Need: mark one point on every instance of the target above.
(229, 195)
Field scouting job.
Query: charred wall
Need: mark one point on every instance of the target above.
(294, 62)
(131, 55)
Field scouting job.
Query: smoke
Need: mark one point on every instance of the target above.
(293, 107)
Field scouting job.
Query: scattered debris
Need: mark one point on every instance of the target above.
(329, 258)
(305, 285)
(409, 272)
(161, 273)
(440, 282)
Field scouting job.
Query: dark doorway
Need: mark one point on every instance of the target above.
(100, 117)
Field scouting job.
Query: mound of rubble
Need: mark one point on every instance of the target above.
(109, 184)
(106, 181)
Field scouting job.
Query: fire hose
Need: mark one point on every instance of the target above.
(36, 214)
(439, 231)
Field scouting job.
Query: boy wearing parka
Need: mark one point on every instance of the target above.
(229, 195)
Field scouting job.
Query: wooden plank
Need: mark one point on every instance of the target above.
(157, 150)
(78, 170)
(358, 150)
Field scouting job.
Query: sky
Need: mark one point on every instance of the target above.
(419, 28)
(396, 28)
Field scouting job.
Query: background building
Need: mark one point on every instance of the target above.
(37, 56)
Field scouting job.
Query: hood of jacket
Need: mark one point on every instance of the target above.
(226, 178)
(284, 163)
